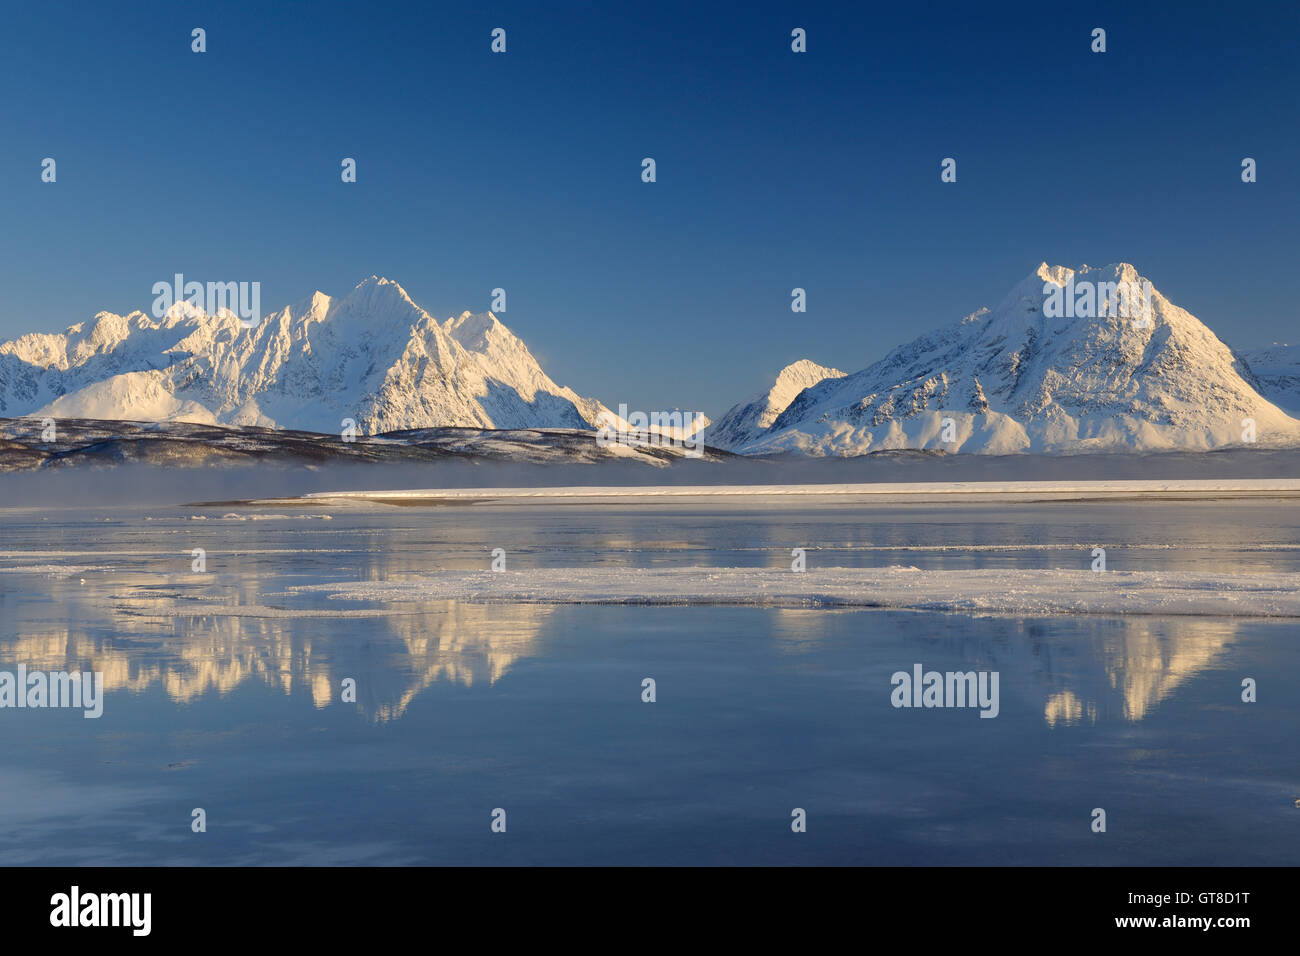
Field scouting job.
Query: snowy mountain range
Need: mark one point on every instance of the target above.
(1025, 376)
(373, 356)
(1030, 377)
(1277, 370)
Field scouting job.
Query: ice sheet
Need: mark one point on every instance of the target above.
(993, 591)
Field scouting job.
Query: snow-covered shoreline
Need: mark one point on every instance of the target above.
(1217, 487)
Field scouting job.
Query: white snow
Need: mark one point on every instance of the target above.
(195, 609)
(1001, 591)
(234, 516)
(145, 395)
(53, 570)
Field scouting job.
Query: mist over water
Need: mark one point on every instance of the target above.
(138, 484)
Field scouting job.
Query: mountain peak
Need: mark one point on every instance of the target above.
(475, 330)
(747, 421)
(381, 302)
(381, 282)
(1026, 377)
(373, 280)
(1114, 272)
(797, 376)
(376, 287)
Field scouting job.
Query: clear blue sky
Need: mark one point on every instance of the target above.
(775, 170)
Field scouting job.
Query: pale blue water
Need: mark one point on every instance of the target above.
(537, 710)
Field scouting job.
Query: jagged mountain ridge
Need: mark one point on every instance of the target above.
(373, 356)
(1015, 379)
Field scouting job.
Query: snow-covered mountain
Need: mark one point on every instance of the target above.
(373, 356)
(1028, 376)
(750, 420)
(1277, 371)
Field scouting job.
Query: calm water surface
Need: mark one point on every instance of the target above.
(223, 691)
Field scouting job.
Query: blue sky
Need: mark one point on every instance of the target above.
(775, 169)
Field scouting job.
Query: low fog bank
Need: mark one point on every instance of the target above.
(143, 485)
